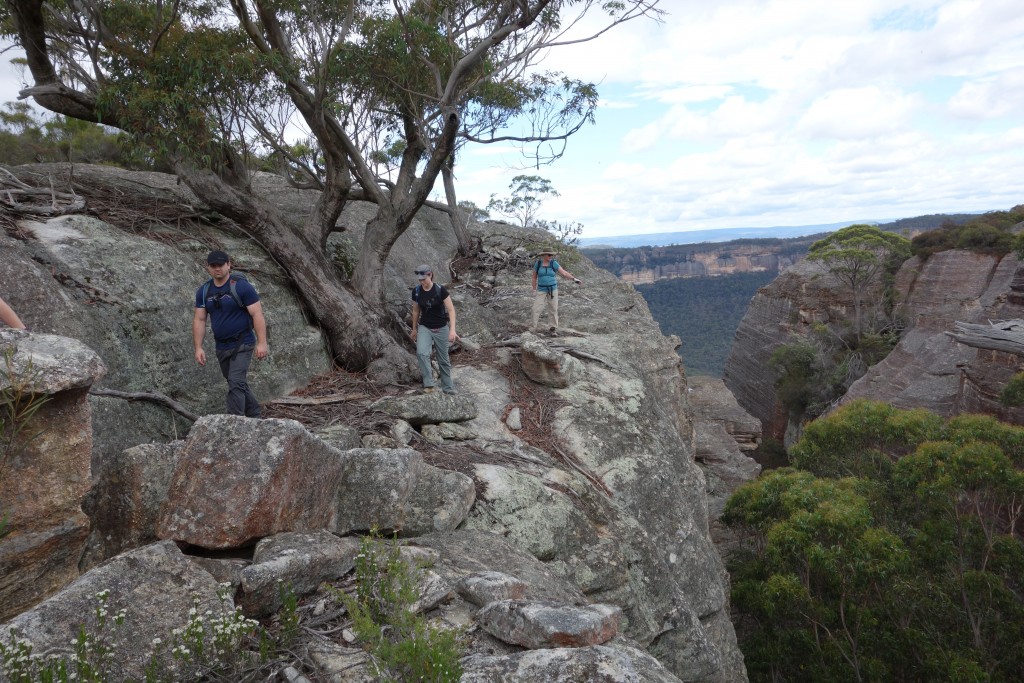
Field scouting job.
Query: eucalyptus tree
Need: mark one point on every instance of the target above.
(858, 256)
(385, 92)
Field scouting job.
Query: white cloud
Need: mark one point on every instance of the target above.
(857, 113)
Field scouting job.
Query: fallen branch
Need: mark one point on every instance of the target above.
(16, 189)
(1004, 335)
(151, 396)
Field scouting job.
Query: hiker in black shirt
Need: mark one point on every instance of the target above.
(433, 327)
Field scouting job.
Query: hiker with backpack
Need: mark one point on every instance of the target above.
(239, 328)
(433, 327)
(545, 287)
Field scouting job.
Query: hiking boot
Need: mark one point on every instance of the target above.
(449, 391)
(428, 390)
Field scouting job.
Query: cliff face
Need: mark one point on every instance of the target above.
(927, 369)
(643, 265)
(780, 313)
(608, 497)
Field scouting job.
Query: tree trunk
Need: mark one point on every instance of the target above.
(357, 336)
(461, 233)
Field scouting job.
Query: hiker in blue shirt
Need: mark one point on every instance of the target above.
(545, 288)
(236, 316)
(433, 327)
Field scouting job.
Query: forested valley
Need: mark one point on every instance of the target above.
(704, 313)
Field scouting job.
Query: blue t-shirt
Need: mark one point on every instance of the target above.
(547, 277)
(231, 325)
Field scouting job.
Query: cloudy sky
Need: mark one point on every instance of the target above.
(758, 113)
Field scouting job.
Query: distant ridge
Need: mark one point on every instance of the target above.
(659, 239)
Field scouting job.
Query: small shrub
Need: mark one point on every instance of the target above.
(382, 616)
(1012, 394)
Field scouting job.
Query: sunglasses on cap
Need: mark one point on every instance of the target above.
(423, 272)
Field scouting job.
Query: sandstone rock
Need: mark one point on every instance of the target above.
(540, 520)
(56, 364)
(46, 470)
(124, 502)
(432, 434)
(402, 432)
(340, 436)
(780, 313)
(687, 650)
(239, 480)
(440, 501)
(300, 561)
(421, 409)
(337, 664)
(377, 488)
(487, 587)
(927, 368)
(465, 552)
(450, 431)
(130, 298)
(537, 625)
(154, 585)
(711, 401)
(597, 664)
(377, 441)
(547, 366)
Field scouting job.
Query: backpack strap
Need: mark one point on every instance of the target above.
(536, 267)
(206, 289)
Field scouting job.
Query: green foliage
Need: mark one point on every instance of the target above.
(860, 256)
(794, 365)
(383, 617)
(704, 313)
(990, 233)
(862, 439)
(1012, 394)
(912, 569)
(26, 137)
(474, 212)
(528, 193)
(814, 372)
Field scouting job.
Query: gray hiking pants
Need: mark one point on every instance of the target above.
(234, 365)
(425, 339)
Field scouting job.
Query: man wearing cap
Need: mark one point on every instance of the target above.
(545, 287)
(236, 316)
(433, 326)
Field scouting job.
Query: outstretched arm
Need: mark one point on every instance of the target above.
(566, 274)
(9, 317)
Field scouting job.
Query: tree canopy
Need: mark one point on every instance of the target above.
(893, 552)
(858, 256)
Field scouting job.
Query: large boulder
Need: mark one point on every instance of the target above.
(124, 502)
(238, 480)
(154, 588)
(44, 464)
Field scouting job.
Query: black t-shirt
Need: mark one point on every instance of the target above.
(433, 313)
